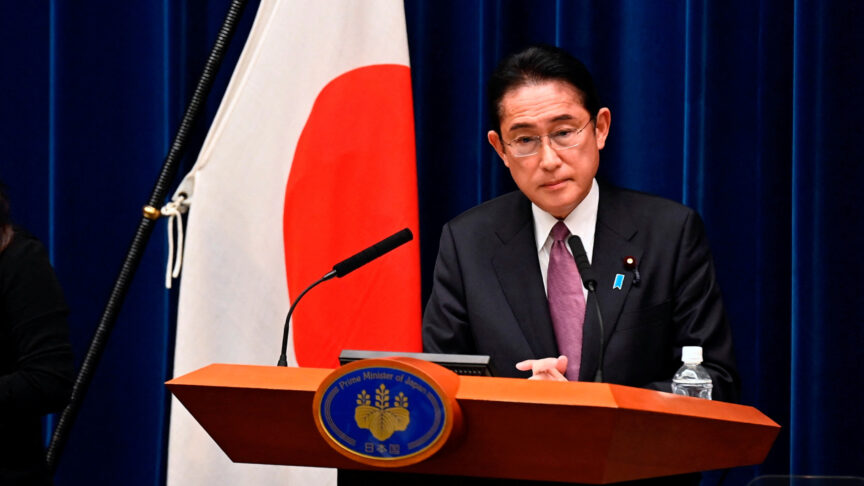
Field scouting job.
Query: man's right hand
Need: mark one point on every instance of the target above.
(551, 369)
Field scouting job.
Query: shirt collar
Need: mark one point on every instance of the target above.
(581, 221)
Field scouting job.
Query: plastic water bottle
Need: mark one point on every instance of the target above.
(691, 380)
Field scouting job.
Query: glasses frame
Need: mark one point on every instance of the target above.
(540, 138)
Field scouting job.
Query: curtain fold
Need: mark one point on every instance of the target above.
(827, 170)
(746, 111)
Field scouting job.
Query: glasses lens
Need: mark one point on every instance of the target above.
(564, 138)
(523, 146)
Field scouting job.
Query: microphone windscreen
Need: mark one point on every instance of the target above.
(387, 244)
(582, 261)
(579, 253)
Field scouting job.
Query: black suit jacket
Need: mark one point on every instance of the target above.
(488, 296)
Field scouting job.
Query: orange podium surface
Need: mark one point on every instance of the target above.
(553, 431)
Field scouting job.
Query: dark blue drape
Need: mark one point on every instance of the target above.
(748, 111)
(743, 110)
(93, 93)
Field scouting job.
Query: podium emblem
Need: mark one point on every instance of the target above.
(382, 419)
(383, 412)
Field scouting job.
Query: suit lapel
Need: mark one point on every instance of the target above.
(518, 271)
(612, 242)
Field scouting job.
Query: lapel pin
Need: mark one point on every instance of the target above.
(630, 264)
(619, 281)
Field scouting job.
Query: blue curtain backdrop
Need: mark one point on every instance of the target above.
(748, 111)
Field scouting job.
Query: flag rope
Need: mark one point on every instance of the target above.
(174, 211)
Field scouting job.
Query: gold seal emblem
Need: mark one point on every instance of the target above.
(362, 410)
(382, 420)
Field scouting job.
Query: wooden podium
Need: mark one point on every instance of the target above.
(552, 431)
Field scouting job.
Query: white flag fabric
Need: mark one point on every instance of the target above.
(309, 160)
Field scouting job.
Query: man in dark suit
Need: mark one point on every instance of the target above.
(489, 293)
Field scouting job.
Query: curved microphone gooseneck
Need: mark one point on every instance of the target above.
(344, 268)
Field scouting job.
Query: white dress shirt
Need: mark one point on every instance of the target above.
(581, 222)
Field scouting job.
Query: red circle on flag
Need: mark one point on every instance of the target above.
(353, 181)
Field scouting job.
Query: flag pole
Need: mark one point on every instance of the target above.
(142, 234)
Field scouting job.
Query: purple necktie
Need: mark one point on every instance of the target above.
(566, 300)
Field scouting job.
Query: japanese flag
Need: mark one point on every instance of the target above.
(309, 160)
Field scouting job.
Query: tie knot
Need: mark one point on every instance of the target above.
(560, 231)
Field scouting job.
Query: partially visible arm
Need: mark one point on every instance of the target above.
(698, 313)
(446, 328)
(37, 359)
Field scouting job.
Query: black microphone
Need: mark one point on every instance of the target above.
(582, 264)
(348, 265)
(343, 268)
(590, 282)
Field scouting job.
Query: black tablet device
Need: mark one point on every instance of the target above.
(462, 364)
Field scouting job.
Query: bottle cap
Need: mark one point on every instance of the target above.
(691, 354)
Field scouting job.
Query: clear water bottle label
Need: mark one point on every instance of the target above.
(700, 389)
(692, 380)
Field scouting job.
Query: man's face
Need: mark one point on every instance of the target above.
(556, 180)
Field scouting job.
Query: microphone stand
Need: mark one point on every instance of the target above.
(343, 268)
(283, 358)
(590, 283)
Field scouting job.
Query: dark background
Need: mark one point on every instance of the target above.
(748, 111)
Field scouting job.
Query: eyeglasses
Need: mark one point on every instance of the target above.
(565, 138)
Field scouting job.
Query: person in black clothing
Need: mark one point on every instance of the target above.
(492, 291)
(36, 361)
